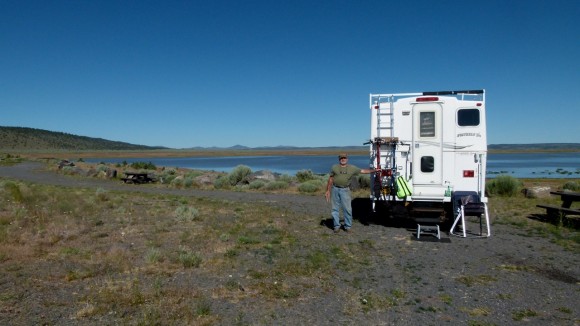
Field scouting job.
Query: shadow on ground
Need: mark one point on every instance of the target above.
(567, 221)
(388, 216)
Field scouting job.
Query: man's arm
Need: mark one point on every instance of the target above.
(328, 186)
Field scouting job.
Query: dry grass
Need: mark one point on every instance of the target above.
(95, 256)
(118, 251)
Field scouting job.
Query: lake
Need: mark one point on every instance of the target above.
(518, 165)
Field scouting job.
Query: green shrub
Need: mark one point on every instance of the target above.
(304, 175)
(177, 182)
(571, 185)
(311, 186)
(222, 182)
(102, 168)
(153, 255)
(276, 185)
(143, 166)
(364, 181)
(286, 178)
(14, 190)
(240, 174)
(503, 185)
(186, 213)
(188, 182)
(189, 258)
(257, 184)
(102, 195)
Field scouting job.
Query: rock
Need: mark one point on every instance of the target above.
(537, 192)
(264, 175)
(111, 173)
(204, 180)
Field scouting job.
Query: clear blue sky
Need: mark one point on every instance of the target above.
(267, 73)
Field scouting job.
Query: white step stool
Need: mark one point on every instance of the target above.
(428, 229)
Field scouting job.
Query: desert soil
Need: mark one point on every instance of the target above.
(513, 277)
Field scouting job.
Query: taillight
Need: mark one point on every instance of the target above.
(428, 99)
(468, 173)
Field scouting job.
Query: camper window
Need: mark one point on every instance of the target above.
(427, 124)
(427, 164)
(468, 117)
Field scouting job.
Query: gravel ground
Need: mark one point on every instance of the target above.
(513, 277)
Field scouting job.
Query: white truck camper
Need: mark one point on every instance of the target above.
(431, 149)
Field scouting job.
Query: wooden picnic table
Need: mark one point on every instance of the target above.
(567, 197)
(135, 177)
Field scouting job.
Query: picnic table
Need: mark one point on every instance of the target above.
(137, 178)
(567, 197)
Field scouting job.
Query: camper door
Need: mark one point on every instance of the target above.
(427, 141)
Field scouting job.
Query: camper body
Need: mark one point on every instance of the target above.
(434, 144)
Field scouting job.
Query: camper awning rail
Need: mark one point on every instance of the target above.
(471, 92)
(476, 95)
(479, 91)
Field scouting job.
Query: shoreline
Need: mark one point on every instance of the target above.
(65, 154)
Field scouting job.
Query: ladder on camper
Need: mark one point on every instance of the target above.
(384, 146)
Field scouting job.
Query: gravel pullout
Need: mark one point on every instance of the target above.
(514, 277)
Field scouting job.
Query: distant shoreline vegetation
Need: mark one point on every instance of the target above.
(541, 174)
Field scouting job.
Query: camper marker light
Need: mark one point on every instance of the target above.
(478, 104)
(427, 99)
(468, 173)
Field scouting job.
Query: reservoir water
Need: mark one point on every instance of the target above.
(518, 165)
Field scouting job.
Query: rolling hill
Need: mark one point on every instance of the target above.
(19, 138)
(22, 139)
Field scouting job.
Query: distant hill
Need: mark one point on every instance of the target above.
(18, 138)
(546, 147)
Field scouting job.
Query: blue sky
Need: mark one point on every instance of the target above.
(266, 73)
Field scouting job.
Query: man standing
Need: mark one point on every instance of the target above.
(339, 181)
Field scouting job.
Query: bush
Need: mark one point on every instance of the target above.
(143, 166)
(102, 195)
(186, 213)
(240, 174)
(571, 185)
(166, 178)
(311, 186)
(276, 185)
(257, 184)
(364, 181)
(222, 182)
(286, 178)
(188, 182)
(102, 168)
(189, 258)
(503, 185)
(304, 175)
(14, 190)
